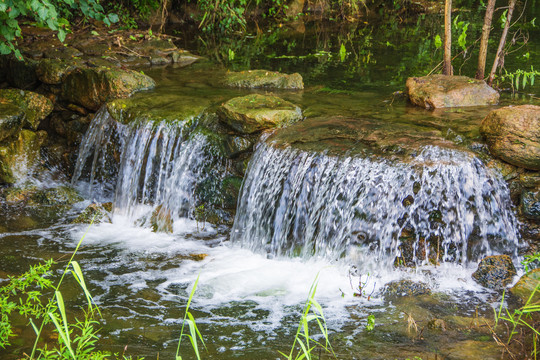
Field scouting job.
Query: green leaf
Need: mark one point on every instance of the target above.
(113, 18)
(4, 49)
(342, 52)
(438, 41)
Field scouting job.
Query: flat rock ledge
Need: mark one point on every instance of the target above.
(441, 91)
(264, 79)
(252, 113)
(512, 133)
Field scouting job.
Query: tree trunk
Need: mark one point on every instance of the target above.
(447, 62)
(485, 39)
(500, 51)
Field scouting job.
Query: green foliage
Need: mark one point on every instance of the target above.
(23, 295)
(193, 330)
(370, 322)
(519, 79)
(312, 313)
(222, 17)
(461, 27)
(47, 13)
(531, 262)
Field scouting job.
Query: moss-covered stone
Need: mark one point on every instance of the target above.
(20, 155)
(62, 52)
(170, 108)
(526, 285)
(93, 87)
(11, 119)
(53, 71)
(264, 79)
(33, 197)
(406, 288)
(440, 91)
(161, 220)
(252, 113)
(530, 204)
(36, 107)
(495, 272)
(94, 214)
(513, 134)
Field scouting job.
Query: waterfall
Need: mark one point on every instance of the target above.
(440, 205)
(144, 163)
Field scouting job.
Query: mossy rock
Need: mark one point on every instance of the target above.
(264, 79)
(62, 52)
(253, 113)
(11, 119)
(94, 214)
(33, 197)
(526, 285)
(36, 107)
(146, 107)
(20, 155)
(495, 272)
(440, 91)
(161, 220)
(402, 288)
(530, 204)
(93, 87)
(53, 71)
(513, 135)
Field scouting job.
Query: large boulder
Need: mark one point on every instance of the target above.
(11, 119)
(252, 113)
(19, 156)
(526, 285)
(440, 91)
(513, 134)
(34, 197)
(53, 71)
(93, 87)
(36, 107)
(264, 79)
(495, 272)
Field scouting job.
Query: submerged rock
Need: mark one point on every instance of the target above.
(20, 155)
(36, 107)
(526, 285)
(441, 91)
(93, 87)
(11, 119)
(513, 134)
(406, 288)
(252, 113)
(95, 214)
(495, 272)
(264, 79)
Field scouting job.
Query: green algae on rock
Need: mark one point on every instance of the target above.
(20, 155)
(441, 91)
(93, 87)
(36, 107)
(11, 119)
(32, 196)
(513, 134)
(495, 272)
(53, 71)
(94, 214)
(264, 79)
(526, 285)
(252, 113)
(406, 288)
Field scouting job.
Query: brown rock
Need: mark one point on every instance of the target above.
(441, 91)
(495, 272)
(513, 134)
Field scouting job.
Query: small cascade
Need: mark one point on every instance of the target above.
(441, 205)
(149, 163)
